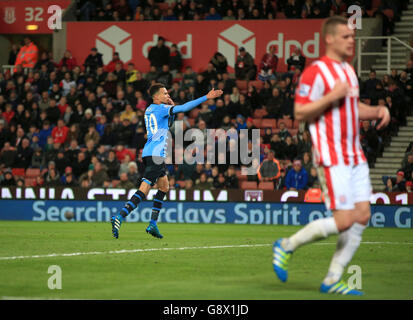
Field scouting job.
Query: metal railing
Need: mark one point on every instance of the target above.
(388, 53)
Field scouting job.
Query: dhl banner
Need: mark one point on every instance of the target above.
(197, 40)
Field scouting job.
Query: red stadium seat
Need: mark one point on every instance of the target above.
(266, 185)
(257, 122)
(258, 84)
(248, 185)
(268, 123)
(32, 172)
(242, 85)
(30, 182)
(181, 183)
(288, 123)
(18, 172)
(241, 177)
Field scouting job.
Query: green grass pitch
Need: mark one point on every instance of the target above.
(206, 269)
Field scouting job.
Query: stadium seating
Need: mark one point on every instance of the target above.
(18, 172)
(268, 123)
(266, 185)
(32, 173)
(248, 185)
(242, 85)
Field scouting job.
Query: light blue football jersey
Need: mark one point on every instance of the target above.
(157, 122)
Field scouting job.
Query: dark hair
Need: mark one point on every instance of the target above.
(155, 88)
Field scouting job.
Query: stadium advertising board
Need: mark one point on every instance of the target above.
(197, 40)
(109, 194)
(30, 16)
(196, 212)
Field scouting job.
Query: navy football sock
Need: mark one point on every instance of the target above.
(138, 197)
(157, 205)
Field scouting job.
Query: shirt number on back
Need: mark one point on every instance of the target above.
(151, 123)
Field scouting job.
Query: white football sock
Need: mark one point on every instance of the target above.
(315, 230)
(347, 245)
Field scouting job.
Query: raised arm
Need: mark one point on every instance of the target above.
(194, 103)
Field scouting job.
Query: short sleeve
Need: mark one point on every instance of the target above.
(165, 110)
(310, 87)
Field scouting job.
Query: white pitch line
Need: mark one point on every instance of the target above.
(74, 254)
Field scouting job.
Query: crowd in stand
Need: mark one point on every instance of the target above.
(178, 10)
(81, 123)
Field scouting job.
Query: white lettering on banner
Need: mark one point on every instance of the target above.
(288, 194)
(379, 195)
(405, 222)
(53, 213)
(377, 220)
(114, 39)
(233, 38)
(240, 213)
(185, 47)
(285, 48)
(286, 216)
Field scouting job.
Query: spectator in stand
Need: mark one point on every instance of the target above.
(24, 154)
(159, 55)
(273, 105)
(245, 69)
(175, 60)
(220, 63)
(231, 179)
(59, 133)
(268, 66)
(165, 76)
(313, 178)
(269, 170)
(67, 61)
(93, 61)
(369, 141)
(110, 67)
(292, 9)
(370, 84)
(13, 54)
(397, 184)
(213, 14)
(296, 61)
(28, 55)
(297, 177)
(125, 183)
(408, 165)
(8, 179)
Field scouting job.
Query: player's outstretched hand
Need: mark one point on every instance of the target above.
(214, 94)
(340, 90)
(383, 115)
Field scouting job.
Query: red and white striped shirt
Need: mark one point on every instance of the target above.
(335, 134)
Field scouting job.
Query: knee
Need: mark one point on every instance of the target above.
(363, 217)
(345, 223)
(164, 188)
